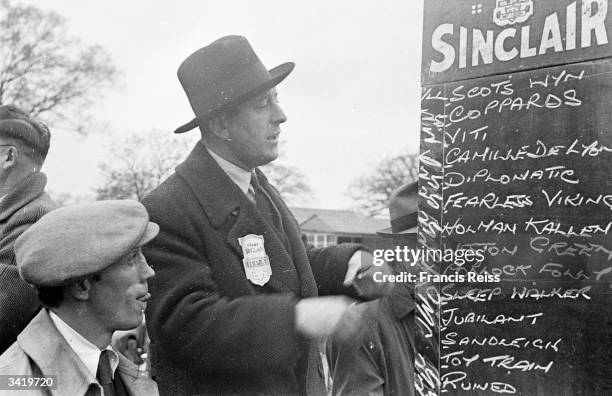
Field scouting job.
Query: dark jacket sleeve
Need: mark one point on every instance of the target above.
(194, 324)
(328, 264)
(329, 267)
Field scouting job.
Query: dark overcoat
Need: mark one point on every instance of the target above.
(212, 330)
(19, 209)
(378, 357)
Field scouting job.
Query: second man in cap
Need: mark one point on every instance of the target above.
(86, 264)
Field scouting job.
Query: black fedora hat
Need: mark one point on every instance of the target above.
(403, 211)
(224, 73)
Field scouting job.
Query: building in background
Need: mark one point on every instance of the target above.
(325, 227)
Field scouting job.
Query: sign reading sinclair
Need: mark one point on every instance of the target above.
(472, 38)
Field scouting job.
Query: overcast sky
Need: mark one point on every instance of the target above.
(352, 100)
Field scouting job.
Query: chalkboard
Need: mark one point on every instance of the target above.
(518, 166)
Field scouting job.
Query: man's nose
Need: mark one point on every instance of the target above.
(146, 270)
(278, 114)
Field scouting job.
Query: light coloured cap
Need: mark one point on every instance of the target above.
(79, 240)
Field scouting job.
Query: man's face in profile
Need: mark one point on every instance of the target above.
(119, 298)
(254, 128)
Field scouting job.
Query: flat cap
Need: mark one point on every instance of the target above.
(80, 240)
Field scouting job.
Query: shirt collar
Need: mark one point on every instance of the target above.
(85, 350)
(241, 177)
(25, 192)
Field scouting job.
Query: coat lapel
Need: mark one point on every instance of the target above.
(229, 208)
(294, 238)
(54, 356)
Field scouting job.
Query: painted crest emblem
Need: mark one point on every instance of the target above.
(509, 12)
(255, 260)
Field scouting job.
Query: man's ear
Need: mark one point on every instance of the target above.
(10, 158)
(80, 289)
(219, 126)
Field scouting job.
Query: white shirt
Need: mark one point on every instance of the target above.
(241, 177)
(85, 350)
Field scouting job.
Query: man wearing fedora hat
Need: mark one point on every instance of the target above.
(236, 307)
(86, 263)
(24, 143)
(377, 356)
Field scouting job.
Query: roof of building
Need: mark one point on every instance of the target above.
(337, 221)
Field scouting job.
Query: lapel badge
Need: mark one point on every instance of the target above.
(256, 262)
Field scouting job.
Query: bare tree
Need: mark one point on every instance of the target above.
(44, 70)
(136, 164)
(373, 190)
(289, 181)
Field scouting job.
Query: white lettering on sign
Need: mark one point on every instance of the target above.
(484, 47)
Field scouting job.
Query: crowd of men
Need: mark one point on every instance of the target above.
(235, 303)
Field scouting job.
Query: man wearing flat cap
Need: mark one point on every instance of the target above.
(24, 143)
(236, 307)
(377, 356)
(86, 263)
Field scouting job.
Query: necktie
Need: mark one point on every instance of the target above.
(104, 375)
(251, 190)
(105, 378)
(255, 187)
(265, 205)
(269, 211)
